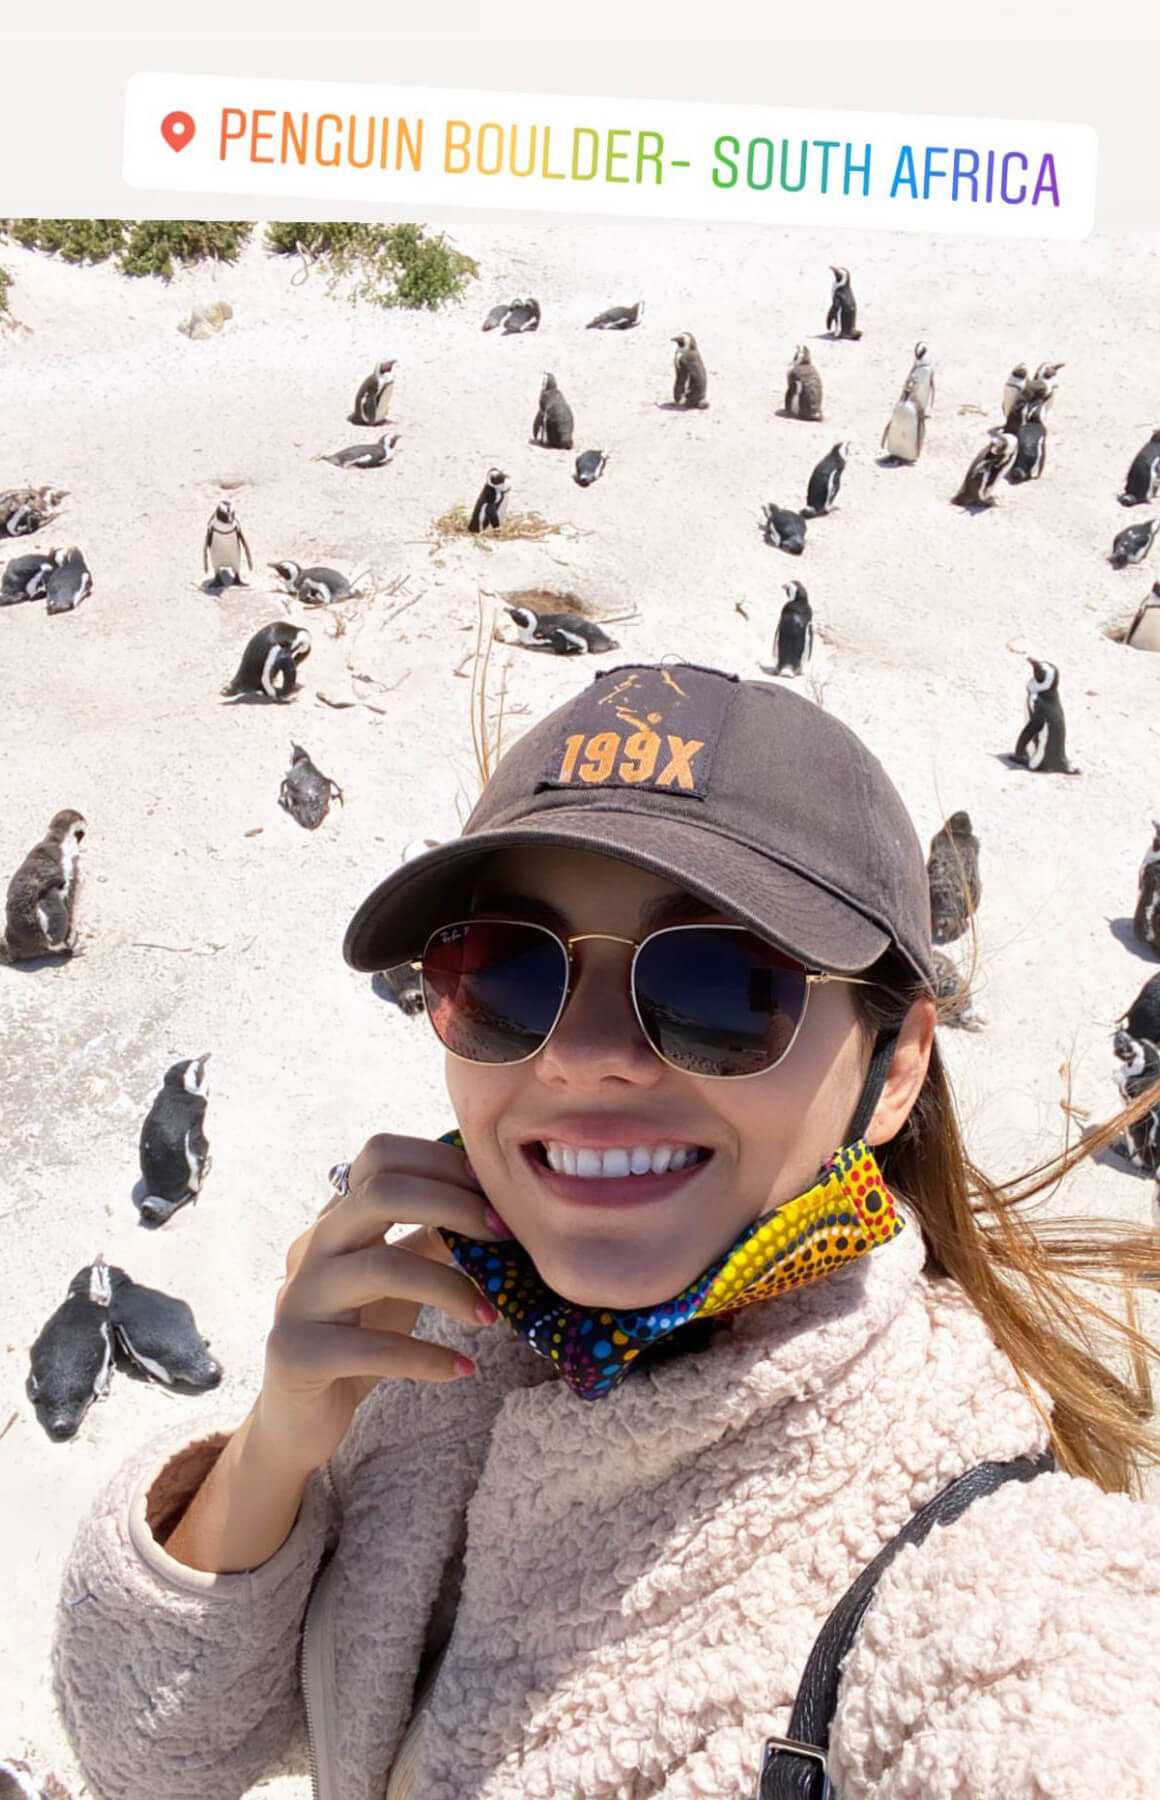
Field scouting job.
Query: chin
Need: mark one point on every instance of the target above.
(613, 1289)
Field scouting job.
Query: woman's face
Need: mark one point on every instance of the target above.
(598, 1083)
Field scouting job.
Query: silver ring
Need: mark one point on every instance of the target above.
(339, 1178)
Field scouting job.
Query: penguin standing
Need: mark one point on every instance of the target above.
(1142, 1018)
(1146, 918)
(1139, 1070)
(920, 381)
(617, 318)
(566, 634)
(952, 873)
(71, 1362)
(491, 502)
(364, 456)
(26, 577)
(225, 544)
(1030, 446)
(1013, 388)
(794, 643)
(690, 383)
(842, 318)
(590, 466)
(993, 460)
(803, 387)
(825, 481)
(784, 529)
(174, 1151)
(316, 586)
(42, 895)
(523, 316)
(69, 581)
(270, 661)
(158, 1333)
(306, 792)
(953, 996)
(373, 399)
(1041, 744)
(1142, 481)
(1144, 631)
(552, 424)
(1132, 544)
(906, 428)
(1045, 381)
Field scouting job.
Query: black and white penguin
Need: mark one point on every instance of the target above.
(906, 428)
(783, 529)
(71, 1362)
(1132, 544)
(1013, 388)
(174, 1151)
(523, 316)
(373, 399)
(952, 873)
(567, 634)
(401, 986)
(225, 543)
(26, 577)
(158, 1334)
(306, 792)
(842, 318)
(690, 382)
(1146, 919)
(491, 502)
(1031, 446)
(955, 1006)
(617, 318)
(1144, 631)
(498, 314)
(364, 456)
(270, 661)
(920, 381)
(825, 481)
(316, 586)
(28, 509)
(1142, 482)
(1142, 1018)
(1045, 381)
(590, 466)
(42, 895)
(1139, 1069)
(794, 643)
(803, 387)
(993, 460)
(69, 581)
(552, 424)
(1042, 744)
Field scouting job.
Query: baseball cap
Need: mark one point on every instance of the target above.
(748, 795)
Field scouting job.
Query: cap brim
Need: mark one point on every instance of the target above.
(805, 920)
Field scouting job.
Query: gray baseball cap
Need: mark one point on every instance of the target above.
(743, 792)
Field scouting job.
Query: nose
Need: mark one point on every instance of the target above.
(598, 1037)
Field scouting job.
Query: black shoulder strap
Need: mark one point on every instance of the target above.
(794, 1767)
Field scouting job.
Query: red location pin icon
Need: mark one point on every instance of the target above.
(177, 128)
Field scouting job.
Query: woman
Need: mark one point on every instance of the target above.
(680, 959)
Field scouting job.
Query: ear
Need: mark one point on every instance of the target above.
(906, 1074)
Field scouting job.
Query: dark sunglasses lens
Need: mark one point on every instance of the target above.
(493, 991)
(718, 1002)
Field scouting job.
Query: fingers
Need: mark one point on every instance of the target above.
(335, 1285)
(324, 1353)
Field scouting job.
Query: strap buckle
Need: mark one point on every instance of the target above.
(775, 1747)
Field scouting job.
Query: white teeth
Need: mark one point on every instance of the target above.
(588, 1162)
(567, 1159)
(661, 1157)
(617, 1162)
(552, 1152)
(639, 1160)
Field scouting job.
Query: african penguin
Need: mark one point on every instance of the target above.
(952, 874)
(69, 581)
(316, 586)
(552, 424)
(567, 634)
(825, 481)
(225, 543)
(1013, 388)
(71, 1362)
(1044, 381)
(158, 1333)
(783, 529)
(803, 387)
(1146, 919)
(42, 895)
(920, 381)
(842, 318)
(523, 316)
(26, 577)
(1132, 544)
(906, 428)
(1041, 744)
(1142, 482)
(306, 792)
(1139, 1069)
(402, 986)
(25, 510)
(1142, 1018)
(617, 318)
(490, 502)
(374, 396)
(364, 456)
(590, 466)
(953, 996)
(794, 643)
(1144, 631)
(174, 1151)
(690, 383)
(498, 314)
(1031, 446)
(270, 661)
(996, 456)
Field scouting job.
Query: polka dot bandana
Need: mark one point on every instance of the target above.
(848, 1212)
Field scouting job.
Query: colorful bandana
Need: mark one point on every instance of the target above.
(848, 1212)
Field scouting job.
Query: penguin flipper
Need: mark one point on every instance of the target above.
(244, 546)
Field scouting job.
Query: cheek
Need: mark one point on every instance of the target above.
(480, 1097)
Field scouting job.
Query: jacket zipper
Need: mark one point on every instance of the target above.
(313, 1672)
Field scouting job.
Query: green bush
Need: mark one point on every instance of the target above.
(5, 285)
(386, 265)
(138, 246)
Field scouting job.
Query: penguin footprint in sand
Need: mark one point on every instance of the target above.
(269, 664)
(174, 1150)
(306, 792)
(158, 1335)
(364, 456)
(42, 895)
(71, 1362)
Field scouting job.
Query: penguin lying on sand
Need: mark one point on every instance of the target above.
(306, 792)
(316, 586)
(1139, 1069)
(374, 396)
(270, 661)
(225, 544)
(552, 424)
(993, 460)
(490, 502)
(783, 529)
(69, 581)
(825, 481)
(1146, 920)
(953, 997)
(28, 509)
(1041, 744)
(952, 873)
(42, 895)
(842, 318)
(1142, 482)
(26, 577)
(590, 466)
(498, 314)
(803, 387)
(1132, 544)
(71, 1362)
(364, 456)
(691, 383)
(617, 318)
(523, 316)
(794, 644)
(567, 634)
(174, 1151)
(158, 1334)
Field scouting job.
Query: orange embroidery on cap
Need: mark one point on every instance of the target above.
(679, 767)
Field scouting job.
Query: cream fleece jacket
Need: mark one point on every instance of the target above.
(635, 1584)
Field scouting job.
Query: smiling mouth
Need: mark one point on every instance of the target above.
(616, 1164)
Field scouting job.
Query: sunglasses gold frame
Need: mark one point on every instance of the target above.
(813, 978)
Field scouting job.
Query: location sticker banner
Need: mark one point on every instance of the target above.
(368, 147)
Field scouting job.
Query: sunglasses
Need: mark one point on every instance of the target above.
(712, 1000)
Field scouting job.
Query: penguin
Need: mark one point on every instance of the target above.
(1142, 1018)
(552, 424)
(842, 318)
(803, 387)
(952, 873)
(1030, 445)
(617, 318)
(364, 456)
(993, 459)
(1139, 1069)
(567, 634)
(174, 1151)
(691, 383)
(1041, 744)
(1142, 482)
(401, 986)
(491, 502)
(953, 997)
(270, 661)
(16, 1783)
(1146, 918)
(783, 529)
(225, 543)
(523, 316)
(794, 643)
(374, 396)
(26, 577)
(306, 792)
(1144, 631)
(28, 509)
(69, 581)
(825, 481)
(42, 895)
(158, 1333)
(920, 381)
(906, 428)
(590, 466)
(71, 1362)
(1132, 544)
(316, 586)
(498, 314)
(1013, 388)
(1044, 382)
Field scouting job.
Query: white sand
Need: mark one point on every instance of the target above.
(115, 709)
